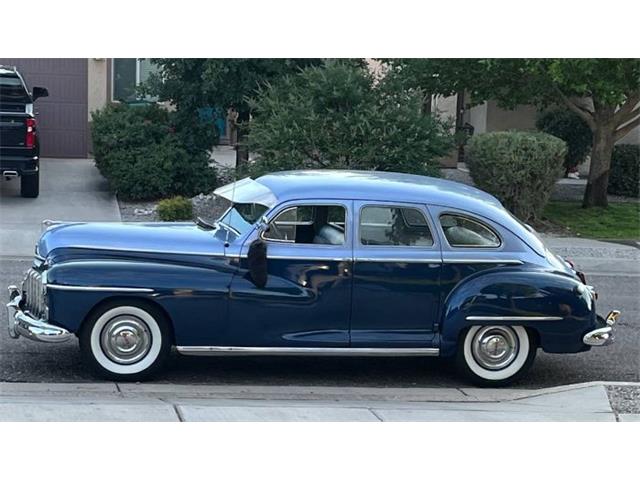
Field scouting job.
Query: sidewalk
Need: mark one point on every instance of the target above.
(165, 402)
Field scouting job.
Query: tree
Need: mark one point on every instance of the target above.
(191, 84)
(337, 116)
(605, 93)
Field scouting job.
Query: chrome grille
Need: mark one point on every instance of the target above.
(34, 290)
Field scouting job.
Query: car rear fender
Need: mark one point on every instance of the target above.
(559, 308)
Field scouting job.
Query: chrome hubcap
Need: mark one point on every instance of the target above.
(495, 347)
(125, 339)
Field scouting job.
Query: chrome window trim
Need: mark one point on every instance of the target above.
(414, 206)
(317, 351)
(473, 220)
(482, 318)
(99, 289)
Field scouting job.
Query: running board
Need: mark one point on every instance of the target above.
(311, 351)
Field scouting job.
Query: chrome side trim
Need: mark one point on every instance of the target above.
(521, 318)
(314, 351)
(142, 250)
(509, 261)
(99, 289)
(398, 260)
(304, 257)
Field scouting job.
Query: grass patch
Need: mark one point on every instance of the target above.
(619, 221)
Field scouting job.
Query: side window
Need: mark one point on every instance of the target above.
(464, 232)
(310, 224)
(400, 226)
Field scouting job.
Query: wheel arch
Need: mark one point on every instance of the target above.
(130, 300)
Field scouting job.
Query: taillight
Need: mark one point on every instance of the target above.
(30, 139)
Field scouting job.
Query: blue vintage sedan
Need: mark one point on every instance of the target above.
(313, 263)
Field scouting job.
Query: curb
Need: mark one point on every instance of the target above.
(302, 393)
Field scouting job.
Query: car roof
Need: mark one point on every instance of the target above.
(372, 185)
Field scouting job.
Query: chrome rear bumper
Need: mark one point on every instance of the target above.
(604, 335)
(22, 323)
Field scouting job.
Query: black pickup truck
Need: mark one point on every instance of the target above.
(19, 143)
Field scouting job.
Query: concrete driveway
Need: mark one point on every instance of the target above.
(70, 189)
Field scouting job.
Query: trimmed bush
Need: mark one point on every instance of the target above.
(569, 127)
(624, 176)
(519, 168)
(139, 152)
(176, 208)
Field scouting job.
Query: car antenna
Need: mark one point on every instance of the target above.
(233, 197)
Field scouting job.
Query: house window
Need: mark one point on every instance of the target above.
(128, 74)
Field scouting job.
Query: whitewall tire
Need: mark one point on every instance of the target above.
(495, 355)
(126, 341)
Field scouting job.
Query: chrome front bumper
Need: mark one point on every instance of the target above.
(604, 335)
(22, 323)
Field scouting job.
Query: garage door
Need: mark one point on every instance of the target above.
(62, 117)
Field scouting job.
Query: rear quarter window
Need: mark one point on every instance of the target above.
(461, 231)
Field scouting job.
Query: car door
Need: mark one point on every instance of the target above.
(396, 276)
(306, 300)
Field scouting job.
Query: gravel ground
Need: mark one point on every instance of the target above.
(624, 398)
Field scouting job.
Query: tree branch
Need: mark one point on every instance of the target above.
(586, 115)
(621, 132)
(628, 110)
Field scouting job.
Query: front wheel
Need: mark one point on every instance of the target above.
(495, 355)
(126, 341)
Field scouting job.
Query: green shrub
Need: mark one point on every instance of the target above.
(569, 127)
(176, 208)
(519, 168)
(337, 116)
(624, 176)
(138, 151)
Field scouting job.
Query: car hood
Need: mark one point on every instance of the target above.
(185, 238)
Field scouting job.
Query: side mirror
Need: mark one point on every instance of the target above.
(257, 260)
(39, 92)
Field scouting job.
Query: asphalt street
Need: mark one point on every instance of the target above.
(26, 361)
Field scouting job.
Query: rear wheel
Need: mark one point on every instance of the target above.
(126, 341)
(495, 355)
(30, 185)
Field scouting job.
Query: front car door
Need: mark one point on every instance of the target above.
(396, 276)
(307, 298)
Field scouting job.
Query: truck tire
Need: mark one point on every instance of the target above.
(30, 185)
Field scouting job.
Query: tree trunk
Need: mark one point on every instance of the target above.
(595, 194)
(242, 149)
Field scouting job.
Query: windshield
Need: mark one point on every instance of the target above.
(240, 217)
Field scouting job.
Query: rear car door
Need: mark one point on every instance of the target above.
(396, 276)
